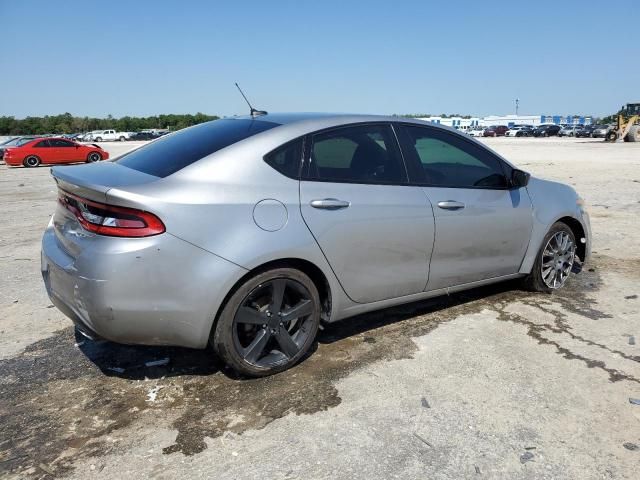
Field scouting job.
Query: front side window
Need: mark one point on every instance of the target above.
(56, 142)
(443, 159)
(359, 154)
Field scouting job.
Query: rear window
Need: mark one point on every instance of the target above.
(167, 155)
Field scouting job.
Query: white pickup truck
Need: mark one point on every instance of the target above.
(109, 135)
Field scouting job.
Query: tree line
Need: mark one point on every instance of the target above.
(67, 123)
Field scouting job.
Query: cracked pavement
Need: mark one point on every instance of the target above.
(489, 383)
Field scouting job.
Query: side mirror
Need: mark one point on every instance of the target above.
(519, 178)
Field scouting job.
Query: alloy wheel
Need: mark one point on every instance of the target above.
(273, 322)
(557, 259)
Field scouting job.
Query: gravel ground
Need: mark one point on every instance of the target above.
(490, 383)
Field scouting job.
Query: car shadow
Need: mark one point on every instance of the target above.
(134, 362)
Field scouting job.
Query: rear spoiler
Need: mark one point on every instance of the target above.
(93, 181)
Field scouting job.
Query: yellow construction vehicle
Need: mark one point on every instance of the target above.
(628, 125)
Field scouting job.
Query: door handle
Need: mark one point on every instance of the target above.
(330, 204)
(451, 205)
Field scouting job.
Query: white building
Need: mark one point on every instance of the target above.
(507, 120)
(511, 120)
(455, 122)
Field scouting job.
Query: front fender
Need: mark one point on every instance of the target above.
(551, 202)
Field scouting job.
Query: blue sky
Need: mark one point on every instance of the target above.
(475, 57)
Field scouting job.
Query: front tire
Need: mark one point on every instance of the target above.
(94, 157)
(555, 260)
(269, 323)
(98, 139)
(31, 161)
(611, 136)
(122, 139)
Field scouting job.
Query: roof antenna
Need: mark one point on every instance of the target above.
(254, 113)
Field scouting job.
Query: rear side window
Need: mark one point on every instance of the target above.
(358, 154)
(167, 155)
(287, 158)
(442, 159)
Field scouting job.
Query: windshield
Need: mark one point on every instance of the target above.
(169, 154)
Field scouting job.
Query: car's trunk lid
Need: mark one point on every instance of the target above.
(91, 182)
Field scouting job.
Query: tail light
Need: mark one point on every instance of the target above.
(110, 220)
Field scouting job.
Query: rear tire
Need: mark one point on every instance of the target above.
(98, 139)
(122, 139)
(555, 260)
(260, 331)
(611, 136)
(633, 135)
(94, 157)
(31, 161)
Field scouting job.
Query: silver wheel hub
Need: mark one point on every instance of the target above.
(557, 260)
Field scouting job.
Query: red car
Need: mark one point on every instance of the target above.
(53, 150)
(496, 131)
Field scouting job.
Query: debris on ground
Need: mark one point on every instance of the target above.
(635, 401)
(477, 469)
(425, 403)
(153, 393)
(46, 469)
(422, 439)
(529, 448)
(157, 363)
(632, 340)
(526, 457)
(631, 297)
(630, 446)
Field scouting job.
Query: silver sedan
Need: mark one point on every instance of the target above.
(246, 233)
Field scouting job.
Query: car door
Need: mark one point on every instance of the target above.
(43, 150)
(63, 151)
(374, 229)
(482, 226)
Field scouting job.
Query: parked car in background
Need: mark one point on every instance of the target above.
(109, 136)
(546, 130)
(87, 136)
(569, 130)
(600, 131)
(52, 151)
(14, 142)
(519, 131)
(585, 132)
(476, 131)
(145, 250)
(496, 131)
(143, 136)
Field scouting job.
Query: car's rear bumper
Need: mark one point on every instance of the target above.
(153, 291)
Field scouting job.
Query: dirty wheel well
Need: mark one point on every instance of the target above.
(578, 232)
(314, 273)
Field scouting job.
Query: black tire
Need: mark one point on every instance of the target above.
(122, 139)
(94, 157)
(535, 281)
(235, 341)
(98, 139)
(31, 161)
(611, 136)
(633, 135)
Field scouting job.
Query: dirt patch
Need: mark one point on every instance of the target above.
(61, 402)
